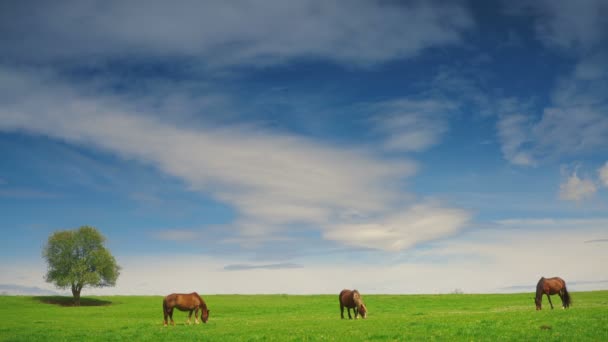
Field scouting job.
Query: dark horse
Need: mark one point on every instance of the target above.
(352, 300)
(185, 302)
(551, 286)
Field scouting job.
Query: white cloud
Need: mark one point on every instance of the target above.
(412, 125)
(576, 189)
(574, 124)
(514, 132)
(570, 131)
(21, 193)
(420, 223)
(178, 235)
(508, 255)
(241, 267)
(578, 26)
(220, 32)
(592, 67)
(273, 180)
(603, 174)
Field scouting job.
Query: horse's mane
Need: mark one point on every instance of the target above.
(203, 304)
(357, 298)
(539, 287)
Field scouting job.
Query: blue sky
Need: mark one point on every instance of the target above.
(307, 147)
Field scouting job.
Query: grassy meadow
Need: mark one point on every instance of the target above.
(505, 317)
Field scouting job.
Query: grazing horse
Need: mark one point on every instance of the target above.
(551, 286)
(352, 300)
(185, 302)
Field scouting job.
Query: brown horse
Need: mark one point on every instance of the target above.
(551, 286)
(185, 302)
(352, 300)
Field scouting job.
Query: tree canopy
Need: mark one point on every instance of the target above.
(78, 258)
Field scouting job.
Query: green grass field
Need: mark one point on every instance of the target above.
(509, 317)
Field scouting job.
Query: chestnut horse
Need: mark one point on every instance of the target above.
(352, 300)
(185, 302)
(551, 286)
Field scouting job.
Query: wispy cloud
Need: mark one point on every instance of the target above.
(603, 174)
(14, 289)
(178, 235)
(273, 180)
(576, 189)
(241, 267)
(563, 24)
(514, 132)
(420, 223)
(217, 32)
(597, 241)
(574, 122)
(21, 193)
(576, 283)
(516, 251)
(572, 26)
(412, 125)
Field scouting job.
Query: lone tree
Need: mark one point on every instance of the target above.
(78, 258)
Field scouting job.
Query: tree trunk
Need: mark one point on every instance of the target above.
(76, 294)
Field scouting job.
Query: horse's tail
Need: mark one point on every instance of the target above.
(164, 306)
(566, 297)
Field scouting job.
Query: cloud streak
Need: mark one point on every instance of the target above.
(20, 290)
(567, 25)
(514, 133)
(273, 180)
(509, 250)
(412, 125)
(603, 174)
(420, 223)
(574, 122)
(221, 33)
(242, 267)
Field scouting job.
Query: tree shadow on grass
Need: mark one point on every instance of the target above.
(69, 301)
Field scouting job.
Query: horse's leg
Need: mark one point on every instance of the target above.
(171, 316)
(189, 316)
(356, 310)
(348, 310)
(341, 310)
(165, 314)
(548, 296)
(196, 316)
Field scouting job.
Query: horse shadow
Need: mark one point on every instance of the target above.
(69, 301)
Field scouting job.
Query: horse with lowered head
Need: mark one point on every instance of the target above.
(551, 286)
(352, 300)
(185, 302)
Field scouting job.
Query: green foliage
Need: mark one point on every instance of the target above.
(510, 317)
(78, 258)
